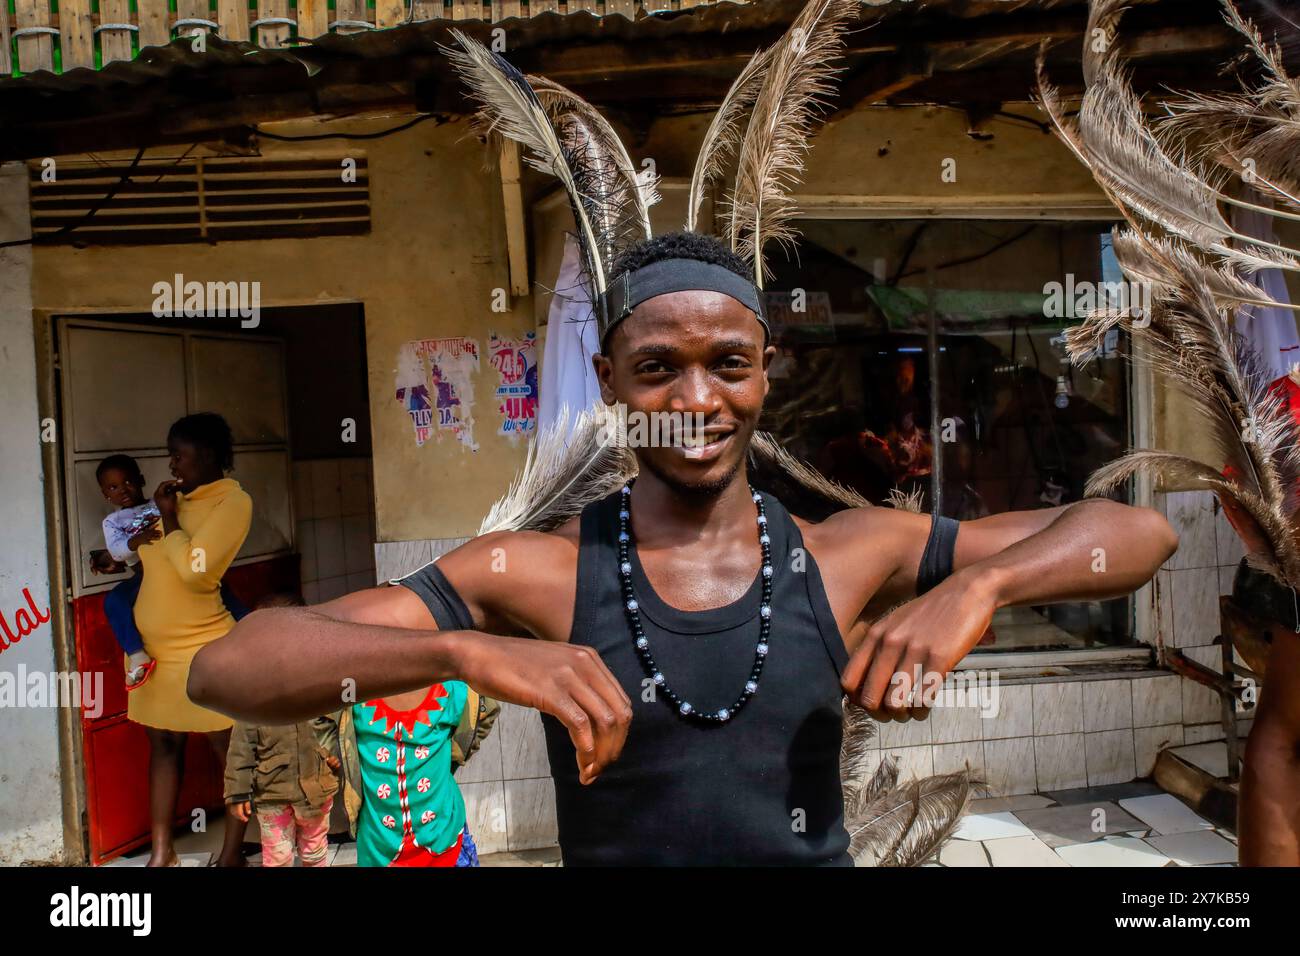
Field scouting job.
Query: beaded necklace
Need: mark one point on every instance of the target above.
(633, 609)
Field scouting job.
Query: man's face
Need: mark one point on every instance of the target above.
(686, 353)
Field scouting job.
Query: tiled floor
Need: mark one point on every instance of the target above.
(1129, 824)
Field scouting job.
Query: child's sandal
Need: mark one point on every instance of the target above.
(145, 670)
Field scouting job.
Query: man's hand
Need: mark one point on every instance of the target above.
(929, 636)
(568, 681)
(241, 810)
(150, 532)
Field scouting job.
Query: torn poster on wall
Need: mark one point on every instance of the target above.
(435, 384)
(516, 363)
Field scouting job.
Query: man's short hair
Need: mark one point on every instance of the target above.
(681, 245)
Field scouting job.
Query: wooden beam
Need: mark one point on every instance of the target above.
(881, 78)
(516, 224)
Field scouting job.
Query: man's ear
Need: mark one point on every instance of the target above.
(604, 373)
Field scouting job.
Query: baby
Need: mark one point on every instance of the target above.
(133, 524)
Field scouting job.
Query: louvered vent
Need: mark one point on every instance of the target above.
(202, 200)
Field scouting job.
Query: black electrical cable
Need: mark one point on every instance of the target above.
(90, 213)
(316, 137)
(966, 260)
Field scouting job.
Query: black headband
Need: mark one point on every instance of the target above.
(676, 275)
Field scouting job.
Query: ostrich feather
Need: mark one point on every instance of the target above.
(1261, 124)
(766, 452)
(1180, 245)
(783, 119)
(889, 824)
(568, 466)
(906, 825)
(510, 107)
(907, 500)
(620, 196)
(1134, 167)
(722, 138)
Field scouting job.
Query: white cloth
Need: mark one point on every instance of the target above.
(124, 524)
(568, 379)
(1271, 331)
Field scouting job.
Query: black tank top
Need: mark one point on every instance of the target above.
(761, 789)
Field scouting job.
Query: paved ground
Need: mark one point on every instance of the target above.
(1130, 824)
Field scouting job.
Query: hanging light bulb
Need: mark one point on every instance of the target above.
(1063, 392)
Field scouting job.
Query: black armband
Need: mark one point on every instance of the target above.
(433, 588)
(936, 562)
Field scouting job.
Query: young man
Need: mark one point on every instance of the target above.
(691, 639)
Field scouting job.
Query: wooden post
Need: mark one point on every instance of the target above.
(505, 9)
(35, 50)
(313, 18)
(233, 17)
(272, 36)
(191, 10)
(389, 13)
(77, 31)
(541, 6)
(350, 10)
(6, 63)
(155, 23)
(625, 7)
(516, 233)
(115, 44)
(427, 10)
(466, 10)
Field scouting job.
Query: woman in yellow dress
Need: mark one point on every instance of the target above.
(205, 517)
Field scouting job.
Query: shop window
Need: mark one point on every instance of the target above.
(928, 356)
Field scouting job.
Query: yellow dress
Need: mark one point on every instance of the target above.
(179, 608)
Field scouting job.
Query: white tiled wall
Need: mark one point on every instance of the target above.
(334, 508)
(1188, 603)
(1047, 735)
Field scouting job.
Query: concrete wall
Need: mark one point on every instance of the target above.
(428, 268)
(31, 821)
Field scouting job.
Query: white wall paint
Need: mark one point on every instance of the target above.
(31, 826)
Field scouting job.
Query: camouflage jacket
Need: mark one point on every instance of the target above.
(282, 765)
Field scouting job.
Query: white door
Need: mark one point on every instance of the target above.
(121, 387)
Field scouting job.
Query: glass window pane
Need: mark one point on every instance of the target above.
(928, 357)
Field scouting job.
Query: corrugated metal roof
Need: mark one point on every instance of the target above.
(524, 33)
(678, 59)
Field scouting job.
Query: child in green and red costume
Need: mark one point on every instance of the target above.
(398, 755)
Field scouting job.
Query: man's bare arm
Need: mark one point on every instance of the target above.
(282, 665)
(1091, 550)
